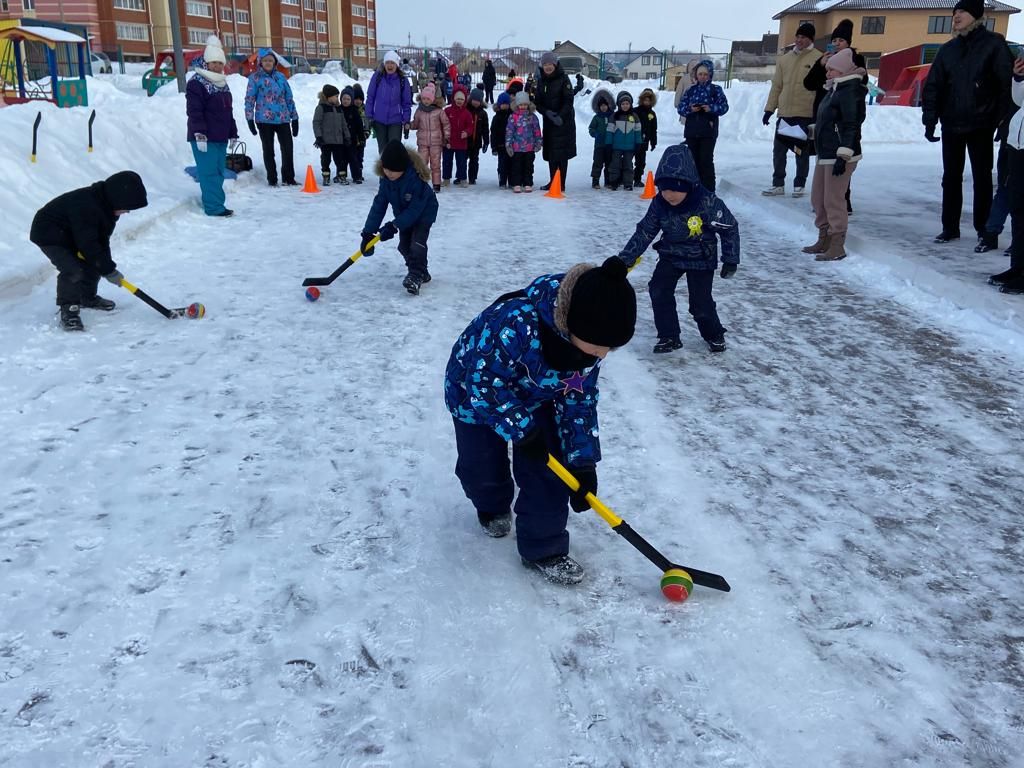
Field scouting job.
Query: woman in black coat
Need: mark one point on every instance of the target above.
(490, 79)
(554, 101)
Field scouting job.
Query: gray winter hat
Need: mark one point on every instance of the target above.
(477, 95)
(522, 98)
(624, 96)
(549, 58)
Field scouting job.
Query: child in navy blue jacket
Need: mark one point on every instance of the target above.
(691, 220)
(525, 371)
(405, 186)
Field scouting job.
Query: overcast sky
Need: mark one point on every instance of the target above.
(592, 24)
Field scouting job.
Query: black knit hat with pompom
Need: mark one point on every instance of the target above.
(602, 309)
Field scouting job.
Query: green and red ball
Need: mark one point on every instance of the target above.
(676, 585)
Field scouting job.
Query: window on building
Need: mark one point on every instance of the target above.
(290, 22)
(311, 47)
(289, 2)
(872, 25)
(651, 76)
(358, 30)
(245, 42)
(360, 51)
(128, 5)
(321, 5)
(321, 27)
(225, 14)
(940, 25)
(359, 11)
(634, 75)
(307, 4)
(132, 31)
(310, 25)
(645, 61)
(3, 6)
(199, 9)
(198, 36)
(28, 5)
(242, 17)
(292, 44)
(370, 15)
(229, 40)
(990, 24)
(371, 34)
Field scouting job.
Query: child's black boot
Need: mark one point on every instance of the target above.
(668, 344)
(70, 319)
(558, 569)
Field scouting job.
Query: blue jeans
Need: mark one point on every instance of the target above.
(210, 171)
(702, 306)
(542, 508)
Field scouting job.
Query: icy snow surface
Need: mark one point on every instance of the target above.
(239, 541)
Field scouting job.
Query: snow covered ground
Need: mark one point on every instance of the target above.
(239, 541)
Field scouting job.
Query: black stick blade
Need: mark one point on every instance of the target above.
(706, 579)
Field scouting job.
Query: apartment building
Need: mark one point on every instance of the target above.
(316, 29)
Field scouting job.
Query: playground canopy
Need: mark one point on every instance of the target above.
(32, 60)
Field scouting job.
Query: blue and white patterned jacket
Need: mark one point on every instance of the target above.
(497, 375)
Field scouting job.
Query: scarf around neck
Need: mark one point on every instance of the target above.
(218, 80)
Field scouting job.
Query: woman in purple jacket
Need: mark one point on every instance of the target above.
(389, 101)
(211, 125)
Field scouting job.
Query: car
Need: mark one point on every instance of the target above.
(300, 65)
(100, 64)
(334, 67)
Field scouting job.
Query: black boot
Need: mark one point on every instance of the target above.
(716, 344)
(1014, 285)
(70, 319)
(668, 344)
(1002, 277)
(412, 283)
(496, 527)
(946, 237)
(98, 302)
(558, 569)
(989, 241)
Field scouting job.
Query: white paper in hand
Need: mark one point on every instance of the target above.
(792, 131)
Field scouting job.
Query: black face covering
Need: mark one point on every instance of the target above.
(560, 354)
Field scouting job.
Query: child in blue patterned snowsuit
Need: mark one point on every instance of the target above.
(691, 220)
(702, 105)
(525, 371)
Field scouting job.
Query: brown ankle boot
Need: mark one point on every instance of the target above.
(835, 251)
(823, 242)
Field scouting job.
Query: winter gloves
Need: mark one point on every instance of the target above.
(929, 133)
(839, 168)
(554, 118)
(533, 447)
(367, 237)
(728, 270)
(388, 231)
(767, 117)
(587, 478)
(318, 143)
(295, 127)
(252, 126)
(114, 277)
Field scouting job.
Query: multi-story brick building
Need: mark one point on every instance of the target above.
(317, 29)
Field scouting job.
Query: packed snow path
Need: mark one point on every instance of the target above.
(239, 541)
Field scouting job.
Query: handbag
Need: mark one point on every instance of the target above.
(238, 161)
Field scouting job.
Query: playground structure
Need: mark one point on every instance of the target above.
(42, 64)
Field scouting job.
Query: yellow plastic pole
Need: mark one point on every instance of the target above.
(595, 503)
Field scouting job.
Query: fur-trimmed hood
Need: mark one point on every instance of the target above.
(417, 162)
(602, 94)
(709, 65)
(648, 93)
(980, 22)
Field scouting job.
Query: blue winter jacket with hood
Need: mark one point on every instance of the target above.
(703, 125)
(410, 196)
(690, 230)
(497, 374)
(268, 97)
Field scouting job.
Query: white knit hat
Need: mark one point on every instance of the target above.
(392, 56)
(214, 51)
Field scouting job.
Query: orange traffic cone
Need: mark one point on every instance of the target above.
(310, 185)
(556, 187)
(649, 191)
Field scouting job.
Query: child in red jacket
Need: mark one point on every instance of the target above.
(461, 122)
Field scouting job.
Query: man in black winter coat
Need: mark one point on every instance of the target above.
(490, 79)
(554, 101)
(74, 230)
(968, 91)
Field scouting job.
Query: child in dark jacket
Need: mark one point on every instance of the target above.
(352, 104)
(702, 106)
(525, 371)
(74, 230)
(405, 186)
(691, 220)
(331, 135)
(602, 105)
(625, 136)
(648, 133)
(502, 112)
(480, 135)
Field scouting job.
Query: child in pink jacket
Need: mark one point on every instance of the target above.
(433, 131)
(522, 140)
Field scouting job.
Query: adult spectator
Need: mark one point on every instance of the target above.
(211, 125)
(795, 105)
(553, 98)
(409, 72)
(389, 101)
(490, 79)
(579, 84)
(1012, 280)
(842, 38)
(269, 109)
(968, 91)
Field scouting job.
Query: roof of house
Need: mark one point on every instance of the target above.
(826, 6)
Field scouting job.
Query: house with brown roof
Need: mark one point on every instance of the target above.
(882, 26)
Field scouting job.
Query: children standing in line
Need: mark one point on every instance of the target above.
(648, 132)
(461, 122)
(405, 186)
(702, 105)
(691, 221)
(523, 139)
(357, 133)
(357, 99)
(625, 137)
(332, 136)
(433, 131)
(602, 105)
(502, 112)
(480, 135)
